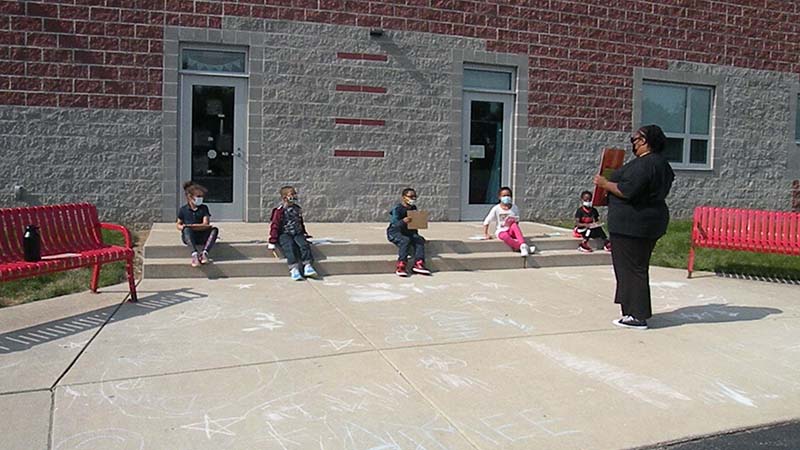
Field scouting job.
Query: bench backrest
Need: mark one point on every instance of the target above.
(746, 229)
(63, 229)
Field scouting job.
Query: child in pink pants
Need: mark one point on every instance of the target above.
(506, 215)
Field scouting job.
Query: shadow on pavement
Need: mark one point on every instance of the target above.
(711, 313)
(26, 338)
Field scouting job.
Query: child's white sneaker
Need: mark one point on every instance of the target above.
(195, 260)
(308, 271)
(204, 257)
(532, 249)
(523, 250)
(295, 274)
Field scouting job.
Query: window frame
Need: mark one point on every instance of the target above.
(492, 68)
(686, 80)
(214, 48)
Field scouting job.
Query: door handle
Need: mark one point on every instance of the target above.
(238, 152)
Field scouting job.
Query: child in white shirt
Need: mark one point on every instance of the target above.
(506, 215)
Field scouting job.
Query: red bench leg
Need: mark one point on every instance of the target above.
(131, 281)
(95, 278)
(690, 267)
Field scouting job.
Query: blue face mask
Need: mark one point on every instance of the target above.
(506, 200)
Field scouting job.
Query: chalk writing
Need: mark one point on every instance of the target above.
(644, 388)
(406, 333)
(269, 321)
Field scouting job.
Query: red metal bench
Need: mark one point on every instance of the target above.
(745, 229)
(70, 238)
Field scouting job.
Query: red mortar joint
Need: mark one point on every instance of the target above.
(360, 88)
(363, 122)
(358, 153)
(362, 56)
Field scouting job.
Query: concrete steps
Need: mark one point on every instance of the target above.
(237, 256)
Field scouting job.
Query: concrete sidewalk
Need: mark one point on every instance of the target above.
(513, 359)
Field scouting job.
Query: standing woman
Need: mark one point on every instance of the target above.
(637, 217)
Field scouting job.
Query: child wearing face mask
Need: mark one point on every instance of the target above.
(587, 224)
(506, 215)
(399, 235)
(195, 225)
(288, 230)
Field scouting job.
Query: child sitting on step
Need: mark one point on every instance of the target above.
(587, 224)
(287, 229)
(195, 225)
(400, 235)
(506, 215)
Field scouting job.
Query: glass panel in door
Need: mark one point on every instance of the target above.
(486, 150)
(212, 134)
(212, 140)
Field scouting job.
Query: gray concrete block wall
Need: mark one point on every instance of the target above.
(300, 103)
(107, 157)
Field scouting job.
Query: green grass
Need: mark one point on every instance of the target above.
(61, 283)
(672, 250)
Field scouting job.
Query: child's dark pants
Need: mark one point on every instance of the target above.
(199, 240)
(594, 233)
(403, 241)
(292, 245)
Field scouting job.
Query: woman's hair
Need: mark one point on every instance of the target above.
(654, 137)
(407, 190)
(192, 188)
(505, 188)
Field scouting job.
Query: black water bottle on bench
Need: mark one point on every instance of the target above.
(32, 244)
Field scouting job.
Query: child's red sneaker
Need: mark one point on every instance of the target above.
(419, 267)
(585, 248)
(607, 247)
(400, 270)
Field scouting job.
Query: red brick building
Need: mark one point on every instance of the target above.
(108, 78)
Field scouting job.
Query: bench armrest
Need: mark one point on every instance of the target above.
(125, 233)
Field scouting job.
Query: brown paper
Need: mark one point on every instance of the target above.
(419, 220)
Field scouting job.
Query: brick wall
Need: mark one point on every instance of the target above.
(108, 53)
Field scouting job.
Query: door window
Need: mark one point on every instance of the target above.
(212, 140)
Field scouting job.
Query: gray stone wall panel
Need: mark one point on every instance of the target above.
(111, 158)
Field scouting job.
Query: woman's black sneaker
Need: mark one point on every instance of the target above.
(631, 322)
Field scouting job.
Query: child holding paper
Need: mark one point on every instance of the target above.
(400, 235)
(506, 215)
(587, 224)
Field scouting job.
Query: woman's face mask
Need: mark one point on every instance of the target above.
(506, 199)
(411, 201)
(198, 201)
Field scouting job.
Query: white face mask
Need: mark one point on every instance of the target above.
(198, 201)
(587, 204)
(411, 201)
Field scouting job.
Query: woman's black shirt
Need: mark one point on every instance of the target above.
(645, 182)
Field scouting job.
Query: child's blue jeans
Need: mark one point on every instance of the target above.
(403, 241)
(294, 248)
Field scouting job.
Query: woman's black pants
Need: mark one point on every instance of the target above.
(631, 259)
